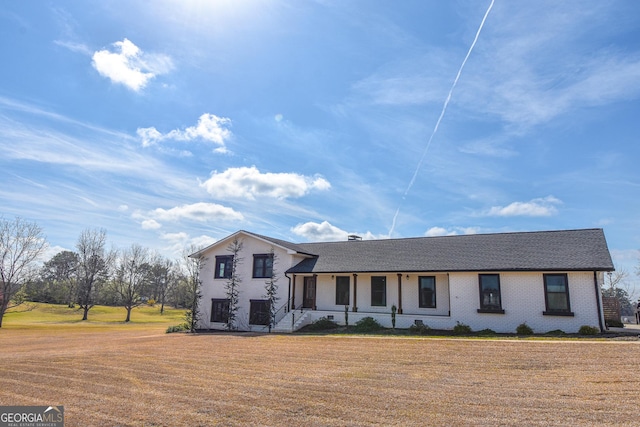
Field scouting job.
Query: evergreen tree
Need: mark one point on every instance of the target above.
(233, 284)
(271, 290)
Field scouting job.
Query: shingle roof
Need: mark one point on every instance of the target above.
(567, 250)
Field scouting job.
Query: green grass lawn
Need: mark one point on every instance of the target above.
(36, 315)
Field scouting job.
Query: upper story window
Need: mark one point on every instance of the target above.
(262, 265)
(556, 295)
(378, 291)
(223, 266)
(490, 298)
(342, 290)
(427, 292)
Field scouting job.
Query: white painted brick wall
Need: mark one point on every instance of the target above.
(249, 288)
(457, 293)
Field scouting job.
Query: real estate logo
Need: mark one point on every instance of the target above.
(31, 416)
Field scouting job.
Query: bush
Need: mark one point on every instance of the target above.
(151, 302)
(588, 330)
(461, 329)
(557, 332)
(487, 333)
(612, 323)
(524, 329)
(322, 324)
(420, 329)
(176, 328)
(367, 324)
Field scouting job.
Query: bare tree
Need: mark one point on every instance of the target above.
(21, 243)
(93, 265)
(162, 277)
(192, 265)
(130, 274)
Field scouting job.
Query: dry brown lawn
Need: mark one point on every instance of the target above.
(139, 376)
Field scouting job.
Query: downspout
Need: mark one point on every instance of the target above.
(355, 293)
(289, 295)
(293, 294)
(449, 286)
(399, 293)
(598, 300)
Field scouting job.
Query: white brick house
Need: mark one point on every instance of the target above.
(550, 280)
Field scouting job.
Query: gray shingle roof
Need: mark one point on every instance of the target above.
(567, 250)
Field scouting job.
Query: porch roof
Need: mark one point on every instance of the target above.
(566, 250)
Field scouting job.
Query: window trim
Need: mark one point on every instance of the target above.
(265, 273)
(487, 309)
(228, 262)
(384, 289)
(435, 295)
(346, 282)
(252, 314)
(548, 312)
(224, 315)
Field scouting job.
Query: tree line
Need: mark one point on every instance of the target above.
(92, 274)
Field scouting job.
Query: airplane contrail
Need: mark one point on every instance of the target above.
(444, 109)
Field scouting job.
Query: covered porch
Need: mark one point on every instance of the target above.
(421, 296)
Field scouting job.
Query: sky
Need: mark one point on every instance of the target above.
(177, 123)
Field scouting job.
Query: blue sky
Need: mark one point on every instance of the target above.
(179, 122)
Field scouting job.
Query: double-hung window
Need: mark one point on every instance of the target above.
(378, 291)
(262, 265)
(556, 295)
(224, 264)
(427, 292)
(490, 298)
(259, 313)
(219, 310)
(342, 290)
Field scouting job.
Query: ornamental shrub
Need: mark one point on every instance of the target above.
(524, 329)
(461, 329)
(613, 323)
(420, 329)
(367, 324)
(588, 330)
(177, 328)
(322, 324)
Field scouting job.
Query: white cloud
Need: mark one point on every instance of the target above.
(209, 128)
(150, 224)
(440, 231)
(201, 212)
(250, 183)
(320, 232)
(202, 241)
(517, 78)
(536, 207)
(129, 65)
(198, 212)
(326, 232)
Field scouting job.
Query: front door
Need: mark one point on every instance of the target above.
(309, 293)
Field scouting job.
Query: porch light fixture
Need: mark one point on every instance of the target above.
(407, 277)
